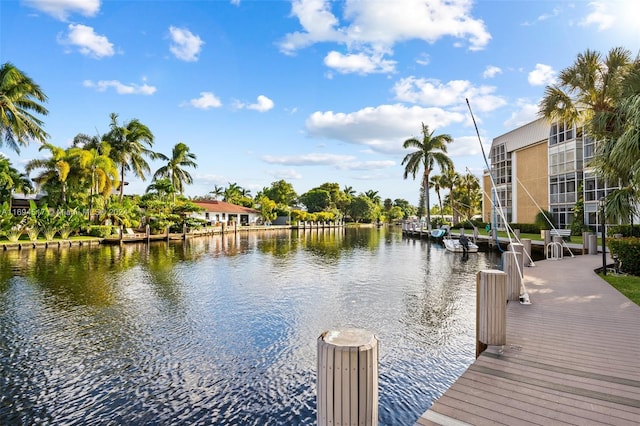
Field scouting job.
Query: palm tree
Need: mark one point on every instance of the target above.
(130, 143)
(12, 180)
(174, 169)
(470, 194)
(232, 193)
(373, 196)
(55, 168)
(19, 97)
(592, 92)
(588, 90)
(436, 182)
(431, 150)
(102, 170)
(162, 187)
(218, 191)
(451, 179)
(349, 191)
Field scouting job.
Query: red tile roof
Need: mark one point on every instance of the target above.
(215, 206)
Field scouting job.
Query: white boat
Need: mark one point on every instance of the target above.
(456, 246)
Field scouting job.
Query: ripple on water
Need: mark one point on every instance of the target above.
(225, 332)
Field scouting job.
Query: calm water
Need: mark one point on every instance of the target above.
(222, 330)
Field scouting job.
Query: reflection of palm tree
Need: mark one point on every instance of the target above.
(19, 96)
(431, 150)
(174, 170)
(130, 143)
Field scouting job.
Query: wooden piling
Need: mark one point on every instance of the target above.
(347, 388)
(491, 309)
(512, 261)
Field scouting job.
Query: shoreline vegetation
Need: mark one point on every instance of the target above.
(628, 285)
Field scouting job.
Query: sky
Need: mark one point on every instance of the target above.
(309, 91)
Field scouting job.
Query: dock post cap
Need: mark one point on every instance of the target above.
(351, 337)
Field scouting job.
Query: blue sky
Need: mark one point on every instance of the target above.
(309, 91)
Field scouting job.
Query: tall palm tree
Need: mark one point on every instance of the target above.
(102, 170)
(436, 183)
(130, 143)
(451, 179)
(431, 150)
(19, 97)
(174, 169)
(55, 168)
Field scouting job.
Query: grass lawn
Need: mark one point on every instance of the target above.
(625, 284)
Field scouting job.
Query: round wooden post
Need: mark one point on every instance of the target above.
(491, 309)
(519, 248)
(526, 246)
(546, 236)
(511, 261)
(347, 386)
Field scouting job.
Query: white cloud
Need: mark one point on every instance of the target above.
(433, 92)
(599, 16)
(545, 16)
(61, 9)
(360, 63)
(185, 45)
(381, 24)
(383, 128)
(491, 71)
(288, 174)
(526, 113)
(87, 41)
(542, 75)
(366, 165)
(263, 104)
(313, 159)
(423, 59)
(206, 100)
(120, 88)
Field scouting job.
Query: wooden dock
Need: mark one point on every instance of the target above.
(572, 357)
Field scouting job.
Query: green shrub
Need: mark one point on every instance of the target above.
(527, 228)
(542, 222)
(628, 251)
(100, 231)
(625, 230)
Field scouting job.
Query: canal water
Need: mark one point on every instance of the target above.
(222, 329)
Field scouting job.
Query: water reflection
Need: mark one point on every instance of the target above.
(222, 329)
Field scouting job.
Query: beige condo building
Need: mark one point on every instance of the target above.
(542, 166)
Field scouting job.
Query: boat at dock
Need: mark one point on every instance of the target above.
(456, 246)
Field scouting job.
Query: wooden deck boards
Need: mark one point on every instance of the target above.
(572, 357)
